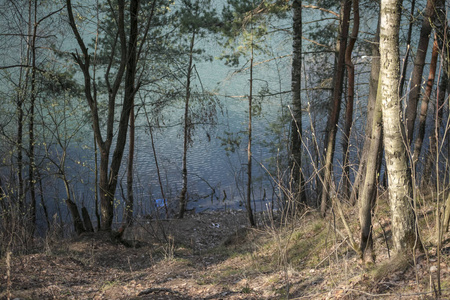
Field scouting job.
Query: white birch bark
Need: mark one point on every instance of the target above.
(398, 171)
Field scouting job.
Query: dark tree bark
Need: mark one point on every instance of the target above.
(373, 88)
(97, 214)
(298, 191)
(408, 49)
(31, 139)
(350, 97)
(249, 146)
(330, 142)
(368, 195)
(86, 220)
(442, 37)
(20, 117)
(130, 92)
(424, 105)
(369, 167)
(77, 222)
(430, 159)
(126, 68)
(127, 111)
(419, 63)
(129, 203)
(187, 129)
(44, 205)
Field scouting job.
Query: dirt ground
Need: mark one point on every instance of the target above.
(157, 261)
(212, 255)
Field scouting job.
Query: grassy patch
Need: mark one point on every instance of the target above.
(397, 264)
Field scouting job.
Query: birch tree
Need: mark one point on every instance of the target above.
(399, 175)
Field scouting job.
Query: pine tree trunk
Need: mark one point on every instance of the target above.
(358, 183)
(31, 138)
(97, 214)
(330, 142)
(399, 175)
(419, 63)
(442, 37)
(128, 218)
(251, 220)
(296, 125)
(350, 98)
(424, 105)
(367, 197)
(187, 125)
(20, 117)
(130, 91)
(408, 48)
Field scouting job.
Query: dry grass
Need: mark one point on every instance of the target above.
(307, 259)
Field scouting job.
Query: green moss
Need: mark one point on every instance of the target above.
(107, 285)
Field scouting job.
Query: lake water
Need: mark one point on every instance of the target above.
(217, 178)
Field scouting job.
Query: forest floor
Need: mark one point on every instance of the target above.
(214, 255)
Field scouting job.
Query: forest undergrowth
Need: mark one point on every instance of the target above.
(215, 255)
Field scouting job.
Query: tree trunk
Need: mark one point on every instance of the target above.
(419, 62)
(424, 106)
(96, 183)
(358, 183)
(442, 37)
(20, 117)
(350, 98)
(399, 175)
(31, 139)
(77, 222)
(187, 130)
(368, 195)
(87, 220)
(130, 91)
(336, 100)
(128, 61)
(249, 145)
(299, 196)
(41, 194)
(446, 222)
(128, 217)
(21, 96)
(106, 197)
(408, 49)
